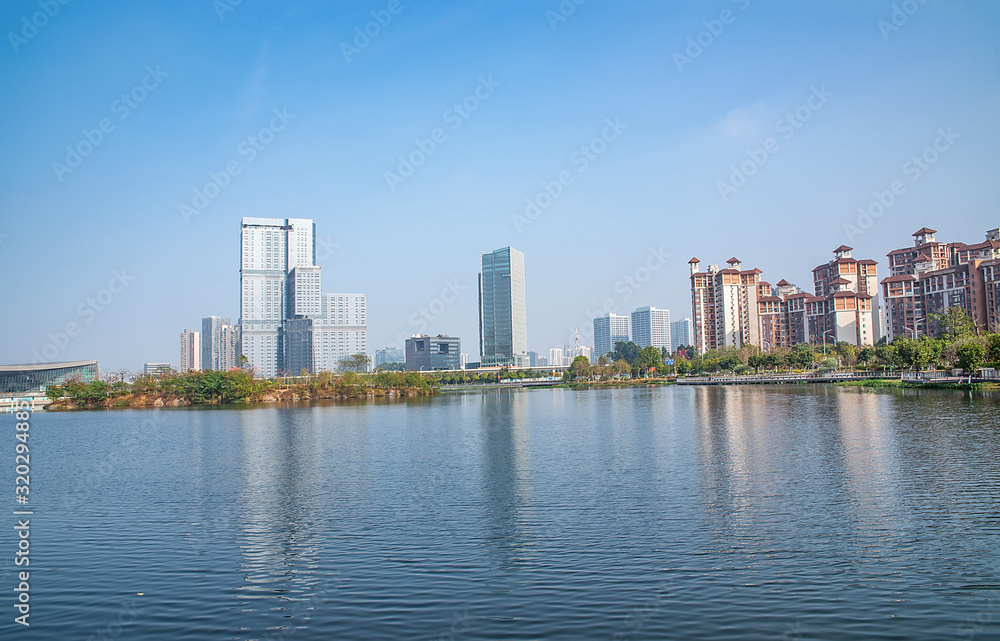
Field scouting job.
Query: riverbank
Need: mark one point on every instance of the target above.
(895, 382)
(232, 387)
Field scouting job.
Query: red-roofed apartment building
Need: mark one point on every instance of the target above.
(733, 307)
(931, 276)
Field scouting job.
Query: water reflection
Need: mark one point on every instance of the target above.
(280, 520)
(506, 475)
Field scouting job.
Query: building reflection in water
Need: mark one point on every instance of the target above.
(506, 474)
(279, 519)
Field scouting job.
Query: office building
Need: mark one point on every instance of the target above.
(428, 353)
(389, 355)
(503, 336)
(156, 369)
(532, 359)
(37, 377)
(608, 330)
(651, 327)
(463, 360)
(680, 334)
(931, 276)
(190, 350)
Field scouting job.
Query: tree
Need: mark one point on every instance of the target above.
(620, 368)
(802, 356)
(360, 362)
(867, 356)
(627, 352)
(917, 354)
(970, 355)
(580, 368)
(993, 347)
(886, 356)
(847, 353)
(649, 359)
(954, 324)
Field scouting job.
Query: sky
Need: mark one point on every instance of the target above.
(608, 141)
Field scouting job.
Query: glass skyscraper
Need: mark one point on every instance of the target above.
(503, 333)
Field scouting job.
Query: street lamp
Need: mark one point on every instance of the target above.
(830, 332)
(912, 330)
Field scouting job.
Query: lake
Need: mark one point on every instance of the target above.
(766, 512)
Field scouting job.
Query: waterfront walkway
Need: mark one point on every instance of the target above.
(763, 379)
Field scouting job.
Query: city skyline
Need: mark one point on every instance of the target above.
(611, 116)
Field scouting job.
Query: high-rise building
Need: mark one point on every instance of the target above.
(428, 353)
(850, 289)
(733, 307)
(556, 357)
(270, 248)
(213, 347)
(680, 333)
(932, 276)
(321, 343)
(608, 330)
(229, 347)
(190, 350)
(724, 305)
(503, 335)
(282, 307)
(651, 327)
(532, 359)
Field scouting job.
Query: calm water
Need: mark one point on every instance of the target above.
(671, 513)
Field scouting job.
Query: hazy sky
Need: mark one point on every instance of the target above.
(825, 103)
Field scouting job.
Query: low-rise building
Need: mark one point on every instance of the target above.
(428, 353)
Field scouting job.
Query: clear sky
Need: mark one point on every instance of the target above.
(867, 90)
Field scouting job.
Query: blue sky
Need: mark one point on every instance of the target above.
(648, 195)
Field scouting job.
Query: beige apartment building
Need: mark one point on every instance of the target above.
(932, 276)
(733, 307)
